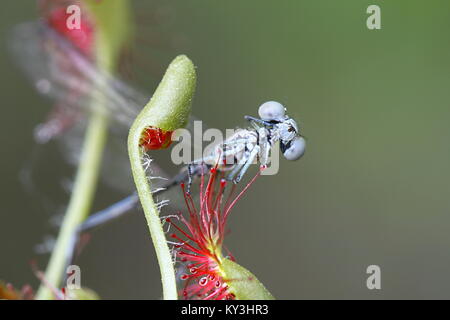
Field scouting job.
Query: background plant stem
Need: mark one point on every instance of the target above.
(80, 201)
(112, 29)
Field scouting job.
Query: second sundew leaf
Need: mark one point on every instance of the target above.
(242, 283)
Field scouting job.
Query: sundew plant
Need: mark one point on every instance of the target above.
(193, 260)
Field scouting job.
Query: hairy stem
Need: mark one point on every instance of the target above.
(168, 110)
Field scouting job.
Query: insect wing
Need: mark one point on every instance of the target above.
(58, 70)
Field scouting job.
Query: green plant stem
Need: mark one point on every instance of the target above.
(154, 223)
(168, 110)
(80, 201)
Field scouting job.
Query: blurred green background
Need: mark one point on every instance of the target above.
(373, 187)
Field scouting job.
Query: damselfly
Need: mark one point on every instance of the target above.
(58, 70)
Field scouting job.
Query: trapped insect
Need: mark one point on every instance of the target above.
(60, 71)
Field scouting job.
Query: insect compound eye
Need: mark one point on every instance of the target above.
(271, 110)
(295, 149)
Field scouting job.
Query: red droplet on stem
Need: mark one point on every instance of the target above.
(155, 138)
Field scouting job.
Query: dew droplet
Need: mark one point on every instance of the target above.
(230, 296)
(184, 277)
(203, 281)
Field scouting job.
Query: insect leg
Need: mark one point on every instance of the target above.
(195, 169)
(248, 162)
(265, 146)
(257, 123)
(236, 169)
(241, 160)
(190, 172)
